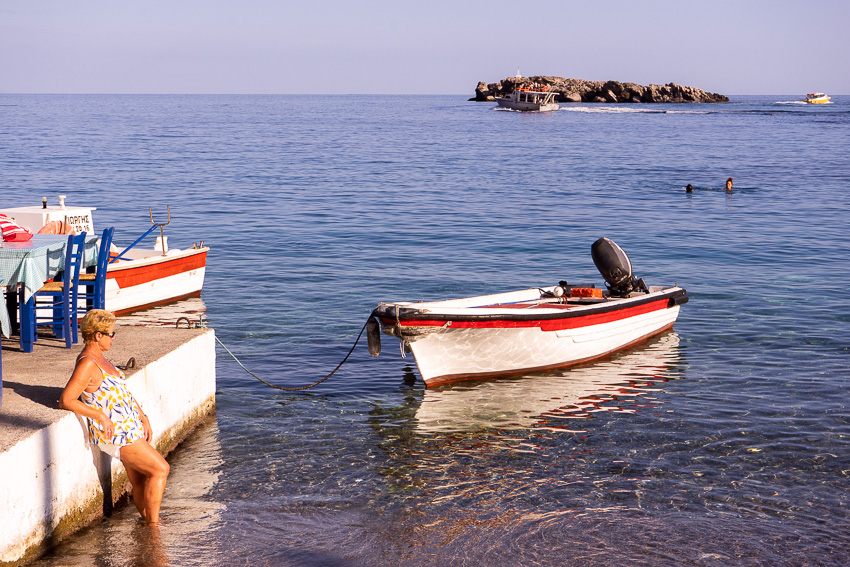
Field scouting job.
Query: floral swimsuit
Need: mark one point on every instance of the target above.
(113, 399)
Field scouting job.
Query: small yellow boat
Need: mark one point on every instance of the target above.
(817, 98)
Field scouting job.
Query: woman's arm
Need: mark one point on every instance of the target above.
(146, 424)
(70, 398)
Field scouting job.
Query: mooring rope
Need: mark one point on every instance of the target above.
(338, 366)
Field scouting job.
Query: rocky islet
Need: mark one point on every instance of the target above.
(580, 90)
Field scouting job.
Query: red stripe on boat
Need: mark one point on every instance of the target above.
(545, 324)
(149, 272)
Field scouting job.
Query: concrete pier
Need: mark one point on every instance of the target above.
(52, 482)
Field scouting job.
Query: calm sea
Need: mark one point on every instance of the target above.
(724, 442)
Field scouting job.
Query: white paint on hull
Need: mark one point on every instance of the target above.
(153, 292)
(527, 106)
(489, 351)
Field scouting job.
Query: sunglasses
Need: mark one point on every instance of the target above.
(110, 335)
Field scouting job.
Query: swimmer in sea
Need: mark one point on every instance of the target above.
(689, 188)
(729, 184)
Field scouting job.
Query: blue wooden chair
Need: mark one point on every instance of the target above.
(93, 285)
(56, 299)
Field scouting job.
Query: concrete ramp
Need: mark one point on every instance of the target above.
(52, 482)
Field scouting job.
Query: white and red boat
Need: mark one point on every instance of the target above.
(530, 330)
(139, 278)
(147, 278)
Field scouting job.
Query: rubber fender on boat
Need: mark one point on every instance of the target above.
(678, 300)
(373, 337)
(57, 227)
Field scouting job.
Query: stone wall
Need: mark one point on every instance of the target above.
(54, 482)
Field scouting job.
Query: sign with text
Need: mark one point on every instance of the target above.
(81, 221)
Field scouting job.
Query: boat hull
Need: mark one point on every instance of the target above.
(817, 98)
(526, 100)
(462, 346)
(527, 106)
(155, 280)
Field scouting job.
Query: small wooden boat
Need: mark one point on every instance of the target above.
(145, 278)
(136, 278)
(530, 330)
(817, 98)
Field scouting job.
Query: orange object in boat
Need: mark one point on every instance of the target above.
(57, 227)
(586, 292)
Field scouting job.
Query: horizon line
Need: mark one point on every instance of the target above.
(306, 94)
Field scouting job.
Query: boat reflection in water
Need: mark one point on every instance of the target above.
(192, 309)
(527, 459)
(546, 400)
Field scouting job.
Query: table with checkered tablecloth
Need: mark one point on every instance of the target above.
(32, 263)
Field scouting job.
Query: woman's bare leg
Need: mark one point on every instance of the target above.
(138, 480)
(146, 462)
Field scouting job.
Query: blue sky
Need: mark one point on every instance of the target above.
(433, 47)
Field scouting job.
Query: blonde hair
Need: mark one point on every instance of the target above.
(96, 321)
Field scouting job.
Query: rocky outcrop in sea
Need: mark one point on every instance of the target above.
(579, 90)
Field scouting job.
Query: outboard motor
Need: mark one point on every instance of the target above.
(615, 267)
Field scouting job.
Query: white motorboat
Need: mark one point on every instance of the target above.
(817, 98)
(533, 329)
(529, 99)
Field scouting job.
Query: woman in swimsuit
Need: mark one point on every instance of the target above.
(117, 424)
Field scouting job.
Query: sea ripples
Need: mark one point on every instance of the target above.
(724, 442)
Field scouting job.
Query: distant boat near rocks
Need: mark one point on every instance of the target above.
(580, 90)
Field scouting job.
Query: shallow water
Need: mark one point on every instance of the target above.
(723, 442)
